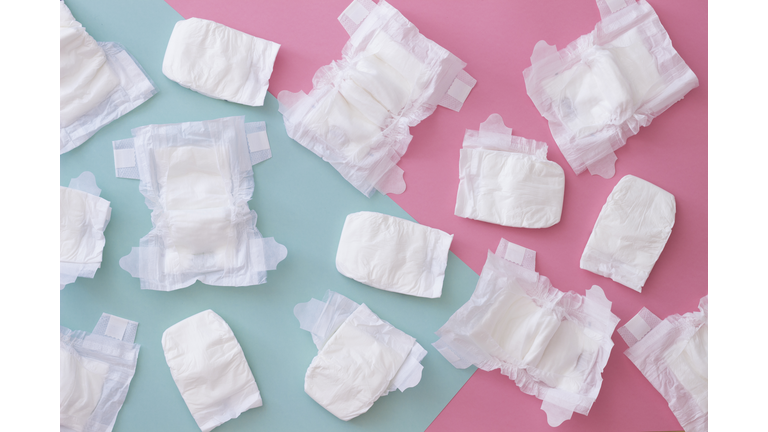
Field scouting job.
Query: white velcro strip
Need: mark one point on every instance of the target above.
(459, 90)
(515, 253)
(116, 327)
(258, 141)
(638, 327)
(356, 12)
(125, 158)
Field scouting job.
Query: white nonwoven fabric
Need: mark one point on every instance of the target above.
(210, 369)
(358, 114)
(507, 180)
(393, 254)
(554, 345)
(96, 371)
(673, 355)
(83, 217)
(600, 89)
(99, 82)
(360, 357)
(220, 62)
(197, 179)
(630, 232)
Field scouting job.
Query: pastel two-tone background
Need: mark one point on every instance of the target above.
(302, 202)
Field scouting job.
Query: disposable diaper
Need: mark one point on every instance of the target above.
(673, 356)
(393, 254)
(358, 113)
(197, 179)
(99, 82)
(210, 369)
(601, 88)
(219, 62)
(630, 232)
(83, 218)
(360, 357)
(96, 370)
(507, 180)
(554, 345)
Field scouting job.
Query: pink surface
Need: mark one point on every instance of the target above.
(496, 38)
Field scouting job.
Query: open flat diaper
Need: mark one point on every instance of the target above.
(507, 180)
(360, 357)
(358, 113)
(96, 370)
(210, 369)
(99, 82)
(630, 232)
(673, 356)
(600, 89)
(220, 62)
(83, 218)
(197, 179)
(554, 345)
(393, 254)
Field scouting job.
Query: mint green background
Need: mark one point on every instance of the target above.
(302, 202)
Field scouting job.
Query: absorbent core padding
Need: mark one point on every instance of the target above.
(507, 180)
(673, 355)
(393, 254)
(210, 369)
(358, 114)
(630, 232)
(360, 357)
(604, 86)
(553, 344)
(220, 62)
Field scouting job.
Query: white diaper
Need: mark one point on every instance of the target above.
(360, 358)
(507, 180)
(197, 180)
(210, 369)
(358, 114)
(96, 370)
(673, 356)
(393, 254)
(630, 232)
(83, 218)
(554, 345)
(220, 62)
(601, 88)
(99, 82)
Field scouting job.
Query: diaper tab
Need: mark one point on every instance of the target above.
(125, 159)
(355, 13)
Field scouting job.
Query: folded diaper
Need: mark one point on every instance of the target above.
(600, 89)
(507, 180)
(358, 114)
(220, 62)
(393, 254)
(554, 345)
(360, 357)
(630, 232)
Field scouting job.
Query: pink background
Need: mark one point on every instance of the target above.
(495, 39)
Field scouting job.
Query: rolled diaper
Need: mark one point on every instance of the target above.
(210, 370)
(360, 357)
(630, 232)
(393, 254)
(220, 62)
(507, 180)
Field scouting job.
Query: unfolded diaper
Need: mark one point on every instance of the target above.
(358, 113)
(197, 179)
(219, 62)
(673, 356)
(630, 232)
(360, 357)
(210, 369)
(554, 345)
(96, 370)
(83, 218)
(507, 180)
(99, 82)
(600, 89)
(393, 254)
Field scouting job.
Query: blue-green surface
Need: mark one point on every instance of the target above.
(301, 201)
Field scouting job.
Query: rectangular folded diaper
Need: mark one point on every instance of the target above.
(393, 254)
